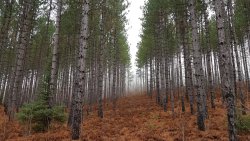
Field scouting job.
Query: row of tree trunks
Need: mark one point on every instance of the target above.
(199, 88)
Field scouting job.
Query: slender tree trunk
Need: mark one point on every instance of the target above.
(158, 54)
(114, 82)
(3, 84)
(238, 64)
(181, 81)
(29, 10)
(200, 92)
(208, 56)
(54, 67)
(101, 60)
(151, 76)
(245, 64)
(187, 61)
(240, 82)
(230, 38)
(248, 85)
(146, 77)
(167, 82)
(80, 82)
(172, 87)
(225, 68)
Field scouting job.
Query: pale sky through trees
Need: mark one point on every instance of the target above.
(134, 27)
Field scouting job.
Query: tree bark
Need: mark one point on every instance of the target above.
(54, 65)
(101, 60)
(200, 92)
(225, 64)
(80, 82)
(208, 56)
(29, 10)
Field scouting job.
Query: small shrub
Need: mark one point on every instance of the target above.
(39, 114)
(243, 123)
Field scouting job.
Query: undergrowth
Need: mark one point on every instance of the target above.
(39, 114)
(243, 123)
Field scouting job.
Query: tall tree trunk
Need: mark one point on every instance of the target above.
(100, 60)
(208, 56)
(181, 81)
(187, 60)
(167, 82)
(146, 77)
(238, 64)
(54, 65)
(80, 82)
(162, 55)
(151, 76)
(158, 46)
(114, 80)
(245, 64)
(172, 86)
(240, 82)
(225, 69)
(29, 10)
(230, 38)
(200, 92)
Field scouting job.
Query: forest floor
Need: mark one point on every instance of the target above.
(137, 118)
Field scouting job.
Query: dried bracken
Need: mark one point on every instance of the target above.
(137, 118)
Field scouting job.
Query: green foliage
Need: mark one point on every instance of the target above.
(38, 113)
(213, 33)
(243, 123)
(241, 18)
(124, 49)
(149, 37)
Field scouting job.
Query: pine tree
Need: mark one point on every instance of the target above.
(80, 74)
(225, 64)
(40, 113)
